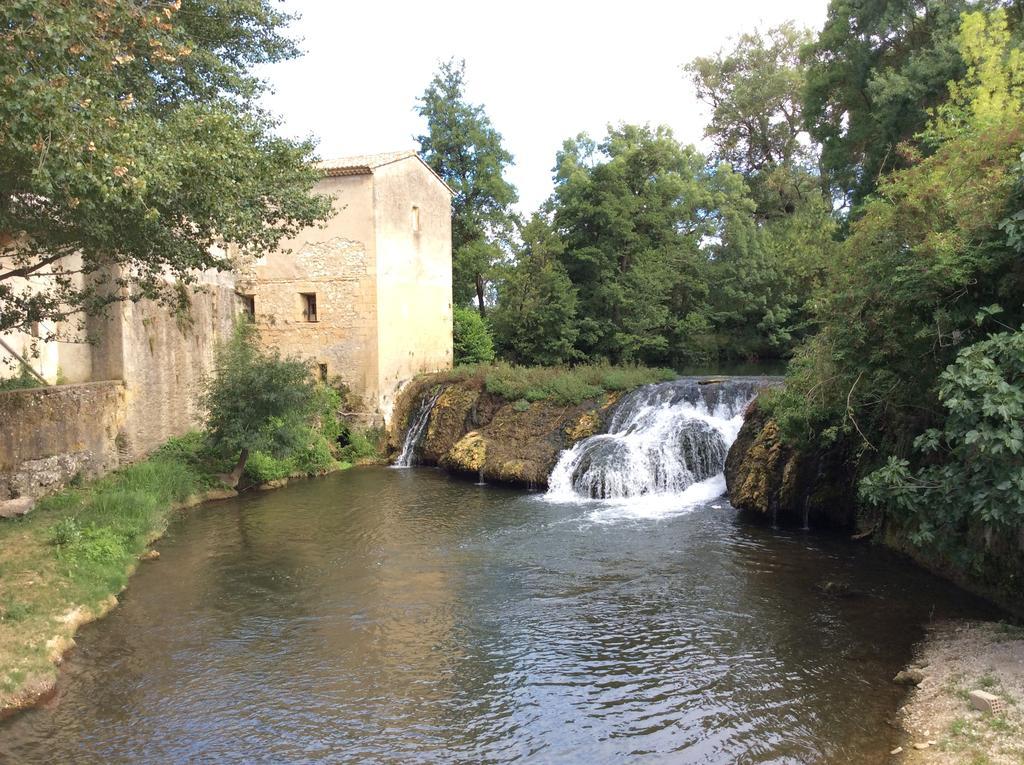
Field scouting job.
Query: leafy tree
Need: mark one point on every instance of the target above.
(935, 245)
(631, 212)
(472, 337)
(132, 142)
(257, 400)
(765, 274)
(755, 91)
(463, 148)
(535, 319)
(875, 70)
(974, 471)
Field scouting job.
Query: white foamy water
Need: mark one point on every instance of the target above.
(664, 451)
(417, 429)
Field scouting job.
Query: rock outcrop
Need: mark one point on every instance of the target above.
(770, 478)
(477, 433)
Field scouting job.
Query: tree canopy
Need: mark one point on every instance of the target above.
(873, 72)
(132, 141)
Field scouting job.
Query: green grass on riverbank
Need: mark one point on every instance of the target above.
(561, 385)
(78, 547)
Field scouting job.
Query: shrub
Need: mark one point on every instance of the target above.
(99, 545)
(316, 458)
(66, 532)
(358, 444)
(473, 342)
(15, 611)
(262, 467)
(562, 385)
(25, 379)
(257, 401)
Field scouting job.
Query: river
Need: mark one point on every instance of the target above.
(382, 615)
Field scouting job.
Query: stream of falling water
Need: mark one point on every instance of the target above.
(666, 443)
(417, 429)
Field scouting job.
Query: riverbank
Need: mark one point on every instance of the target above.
(63, 564)
(941, 726)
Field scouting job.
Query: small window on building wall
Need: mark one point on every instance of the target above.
(309, 306)
(323, 372)
(248, 303)
(415, 218)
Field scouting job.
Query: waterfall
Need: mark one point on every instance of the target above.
(660, 440)
(417, 429)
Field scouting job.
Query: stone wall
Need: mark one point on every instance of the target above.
(163, 360)
(49, 435)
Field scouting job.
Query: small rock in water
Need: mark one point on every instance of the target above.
(716, 507)
(910, 676)
(987, 702)
(897, 750)
(923, 745)
(149, 555)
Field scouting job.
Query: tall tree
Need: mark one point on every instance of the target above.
(463, 148)
(132, 140)
(631, 212)
(875, 70)
(535, 319)
(755, 91)
(764, 267)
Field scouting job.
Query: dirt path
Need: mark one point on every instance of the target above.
(941, 726)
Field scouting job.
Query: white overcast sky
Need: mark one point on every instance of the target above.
(545, 71)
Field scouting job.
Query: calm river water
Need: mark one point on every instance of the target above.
(386, 615)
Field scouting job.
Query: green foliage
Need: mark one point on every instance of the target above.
(755, 91)
(535, 319)
(462, 147)
(66, 532)
(631, 214)
(904, 374)
(358, 445)
(257, 400)
(562, 385)
(262, 467)
(973, 469)
(15, 611)
(317, 457)
(133, 139)
(24, 379)
(873, 73)
(473, 343)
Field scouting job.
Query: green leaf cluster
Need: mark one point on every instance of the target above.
(473, 342)
(133, 144)
(256, 400)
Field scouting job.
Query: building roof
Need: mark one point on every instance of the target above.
(365, 164)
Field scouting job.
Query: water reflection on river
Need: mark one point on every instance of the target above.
(392, 616)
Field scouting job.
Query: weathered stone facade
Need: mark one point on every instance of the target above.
(49, 435)
(379, 273)
(150, 365)
(163, 360)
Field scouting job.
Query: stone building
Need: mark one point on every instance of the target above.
(367, 297)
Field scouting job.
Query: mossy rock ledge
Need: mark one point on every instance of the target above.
(477, 433)
(767, 477)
